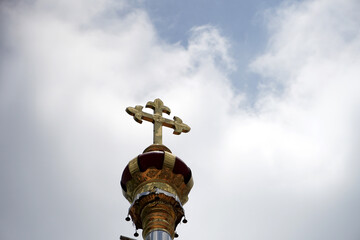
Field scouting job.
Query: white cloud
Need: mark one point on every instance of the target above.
(274, 171)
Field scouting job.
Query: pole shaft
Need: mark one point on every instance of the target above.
(158, 235)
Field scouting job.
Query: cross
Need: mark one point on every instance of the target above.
(158, 106)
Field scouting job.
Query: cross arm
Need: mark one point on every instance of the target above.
(139, 115)
(177, 124)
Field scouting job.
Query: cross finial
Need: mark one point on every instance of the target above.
(158, 106)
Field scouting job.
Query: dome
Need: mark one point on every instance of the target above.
(158, 169)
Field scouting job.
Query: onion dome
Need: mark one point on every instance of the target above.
(156, 170)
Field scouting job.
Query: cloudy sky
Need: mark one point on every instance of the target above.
(270, 88)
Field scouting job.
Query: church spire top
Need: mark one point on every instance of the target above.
(156, 182)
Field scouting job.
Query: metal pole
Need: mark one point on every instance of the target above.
(158, 235)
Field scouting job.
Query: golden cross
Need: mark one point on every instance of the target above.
(158, 106)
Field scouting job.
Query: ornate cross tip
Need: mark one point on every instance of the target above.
(180, 126)
(158, 106)
(136, 112)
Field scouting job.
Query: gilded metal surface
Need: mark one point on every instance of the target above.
(133, 166)
(153, 177)
(155, 212)
(190, 184)
(169, 160)
(157, 147)
(151, 186)
(158, 106)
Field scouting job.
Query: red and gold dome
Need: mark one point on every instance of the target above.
(156, 178)
(156, 169)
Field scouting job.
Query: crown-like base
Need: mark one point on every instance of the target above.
(156, 212)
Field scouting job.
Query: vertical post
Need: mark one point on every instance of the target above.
(157, 132)
(158, 110)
